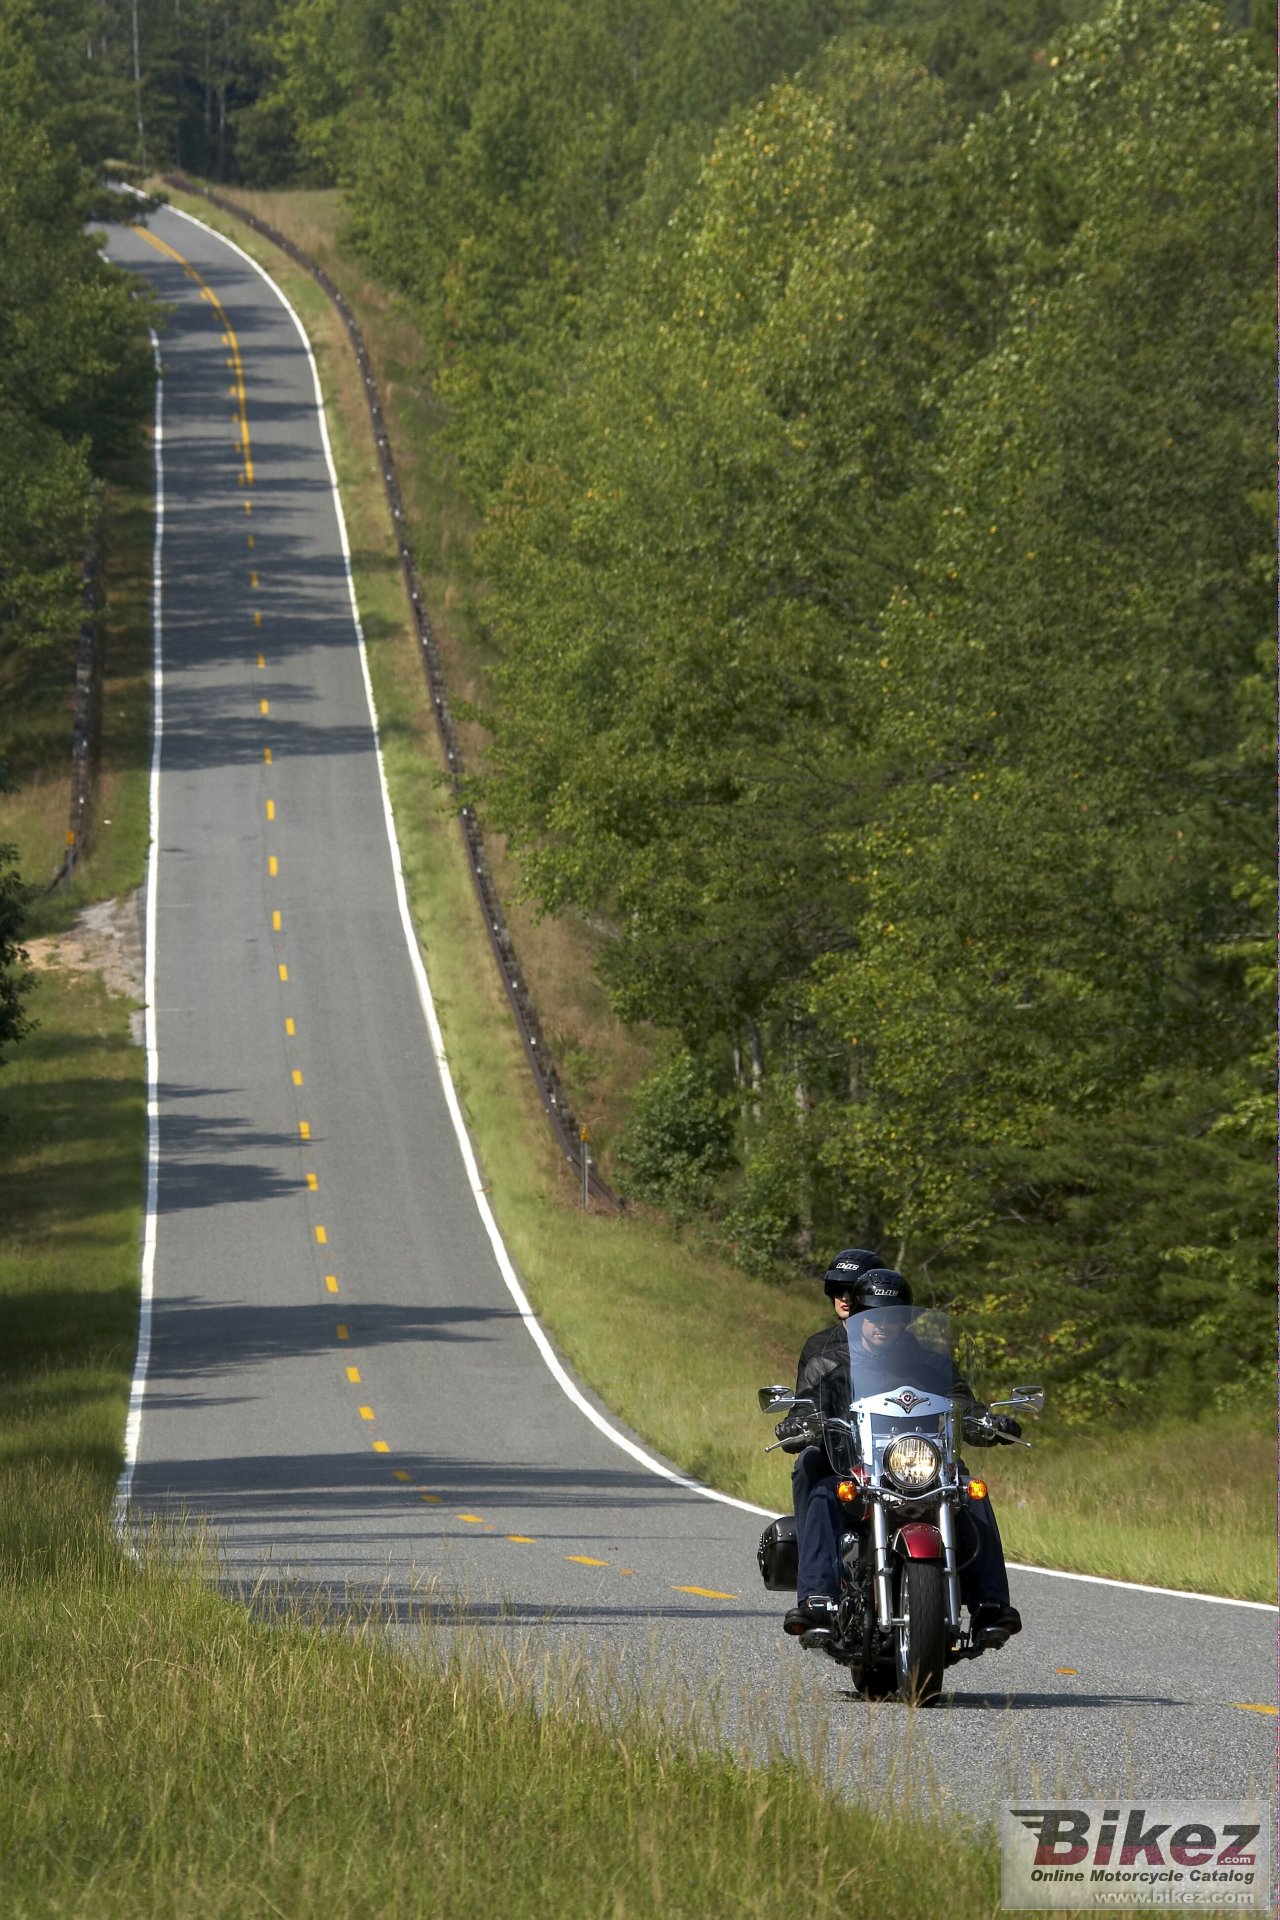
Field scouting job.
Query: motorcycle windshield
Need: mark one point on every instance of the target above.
(887, 1371)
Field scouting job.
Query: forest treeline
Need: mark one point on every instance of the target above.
(75, 373)
(870, 409)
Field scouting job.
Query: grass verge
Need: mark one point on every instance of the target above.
(671, 1337)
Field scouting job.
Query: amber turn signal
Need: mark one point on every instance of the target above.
(847, 1490)
(977, 1489)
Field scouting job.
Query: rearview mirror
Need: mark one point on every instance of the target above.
(773, 1399)
(1027, 1400)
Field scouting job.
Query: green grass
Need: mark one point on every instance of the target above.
(169, 1755)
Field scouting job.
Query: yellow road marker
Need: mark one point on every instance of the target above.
(472, 1519)
(264, 706)
(707, 1593)
(1066, 1669)
(304, 1129)
(273, 865)
(431, 1499)
(1249, 1706)
(284, 972)
(626, 1569)
(297, 1076)
(341, 1331)
(266, 756)
(271, 809)
(275, 920)
(261, 662)
(522, 1539)
(253, 579)
(289, 1027)
(257, 617)
(398, 1473)
(228, 340)
(353, 1375)
(585, 1560)
(249, 538)
(331, 1281)
(382, 1446)
(366, 1413)
(248, 506)
(322, 1237)
(312, 1182)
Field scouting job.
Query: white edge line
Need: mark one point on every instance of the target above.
(1135, 1586)
(138, 1385)
(505, 1265)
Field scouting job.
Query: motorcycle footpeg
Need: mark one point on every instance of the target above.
(990, 1637)
(817, 1637)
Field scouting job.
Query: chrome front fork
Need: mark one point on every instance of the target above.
(885, 1617)
(884, 1586)
(947, 1528)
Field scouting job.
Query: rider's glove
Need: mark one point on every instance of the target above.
(1006, 1426)
(979, 1427)
(795, 1432)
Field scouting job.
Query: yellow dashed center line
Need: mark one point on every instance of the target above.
(283, 971)
(289, 1027)
(262, 661)
(331, 1281)
(304, 1129)
(257, 617)
(431, 1499)
(266, 756)
(472, 1519)
(342, 1331)
(707, 1593)
(241, 415)
(322, 1237)
(264, 706)
(253, 579)
(353, 1375)
(271, 809)
(1250, 1706)
(400, 1474)
(276, 922)
(297, 1076)
(381, 1446)
(273, 866)
(522, 1539)
(585, 1560)
(366, 1413)
(313, 1185)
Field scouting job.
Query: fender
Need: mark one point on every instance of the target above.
(918, 1540)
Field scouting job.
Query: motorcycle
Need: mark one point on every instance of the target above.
(890, 1410)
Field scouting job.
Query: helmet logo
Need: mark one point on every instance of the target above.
(906, 1399)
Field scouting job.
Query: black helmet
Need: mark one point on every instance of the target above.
(880, 1287)
(846, 1268)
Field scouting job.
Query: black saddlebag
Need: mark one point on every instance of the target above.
(778, 1554)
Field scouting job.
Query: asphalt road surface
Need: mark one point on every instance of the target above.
(339, 1378)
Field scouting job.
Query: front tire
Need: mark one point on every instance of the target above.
(920, 1643)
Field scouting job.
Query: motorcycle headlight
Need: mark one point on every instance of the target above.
(912, 1462)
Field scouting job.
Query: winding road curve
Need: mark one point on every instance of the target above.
(339, 1377)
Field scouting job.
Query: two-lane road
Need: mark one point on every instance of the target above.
(339, 1378)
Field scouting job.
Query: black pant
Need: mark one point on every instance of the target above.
(821, 1519)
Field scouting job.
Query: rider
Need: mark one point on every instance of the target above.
(818, 1514)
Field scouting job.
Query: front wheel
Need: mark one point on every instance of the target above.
(920, 1642)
